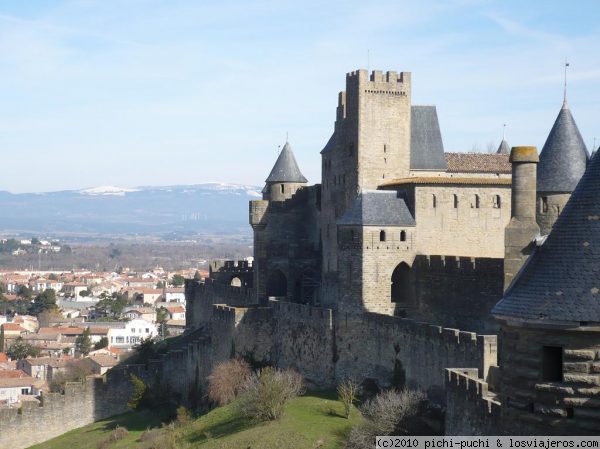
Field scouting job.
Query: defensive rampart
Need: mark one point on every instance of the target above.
(393, 350)
(470, 408)
(55, 413)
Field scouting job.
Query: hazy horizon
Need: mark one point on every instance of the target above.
(179, 92)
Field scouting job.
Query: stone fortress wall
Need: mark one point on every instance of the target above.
(55, 414)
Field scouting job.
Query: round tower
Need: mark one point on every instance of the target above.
(549, 352)
(563, 160)
(285, 177)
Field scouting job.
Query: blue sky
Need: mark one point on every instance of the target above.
(155, 92)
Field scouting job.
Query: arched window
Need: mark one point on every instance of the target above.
(455, 199)
(236, 282)
(433, 201)
(277, 284)
(497, 202)
(382, 236)
(401, 285)
(403, 236)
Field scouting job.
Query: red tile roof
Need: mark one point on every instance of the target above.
(478, 163)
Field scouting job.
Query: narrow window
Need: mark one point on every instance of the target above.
(403, 236)
(552, 364)
(433, 201)
(497, 202)
(351, 149)
(351, 235)
(385, 148)
(476, 201)
(282, 188)
(382, 236)
(455, 201)
(544, 204)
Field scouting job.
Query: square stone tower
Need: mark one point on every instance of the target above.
(370, 144)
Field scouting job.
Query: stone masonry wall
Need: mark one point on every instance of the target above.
(384, 348)
(81, 404)
(470, 408)
(442, 229)
(457, 292)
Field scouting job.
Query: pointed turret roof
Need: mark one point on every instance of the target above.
(504, 148)
(564, 156)
(560, 283)
(286, 168)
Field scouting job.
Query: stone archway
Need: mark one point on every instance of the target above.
(236, 282)
(402, 289)
(276, 284)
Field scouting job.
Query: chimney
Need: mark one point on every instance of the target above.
(522, 228)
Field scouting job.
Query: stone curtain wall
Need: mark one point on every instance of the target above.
(81, 404)
(201, 295)
(457, 291)
(392, 349)
(304, 340)
(470, 409)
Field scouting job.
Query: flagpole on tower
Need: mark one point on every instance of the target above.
(565, 86)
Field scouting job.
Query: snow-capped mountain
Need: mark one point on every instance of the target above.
(209, 207)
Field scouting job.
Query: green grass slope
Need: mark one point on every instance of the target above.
(311, 421)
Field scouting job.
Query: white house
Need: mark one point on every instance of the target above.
(11, 389)
(175, 294)
(125, 334)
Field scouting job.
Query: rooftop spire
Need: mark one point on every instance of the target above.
(564, 156)
(504, 147)
(565, 104)
(286, 168)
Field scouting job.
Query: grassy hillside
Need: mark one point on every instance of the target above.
(311, 421)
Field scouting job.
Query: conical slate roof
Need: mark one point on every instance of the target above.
(564, 156)
(286, 168)
(560, 284)
(504, 148)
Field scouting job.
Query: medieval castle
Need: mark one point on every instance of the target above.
(474, 277)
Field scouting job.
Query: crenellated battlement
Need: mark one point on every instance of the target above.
(379, 82)
(464, 264)
(230, 266)
(302, 313)
(80, 404)
(471, 408)
(472, 346)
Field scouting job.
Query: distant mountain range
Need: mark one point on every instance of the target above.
(182, 209)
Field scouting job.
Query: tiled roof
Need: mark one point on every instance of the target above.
(49, 361)
(425, 180)
(13, 327)
(560, 283)
(378, 208)
(12, 374)
(103, 359)
(426, 146)
(14, 382)
(564, 156)
(478, 163)
(60, 330)
(286, 168)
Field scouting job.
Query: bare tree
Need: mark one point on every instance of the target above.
(347, 391)
(227, 380)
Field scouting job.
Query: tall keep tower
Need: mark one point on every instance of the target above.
(370, 144)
